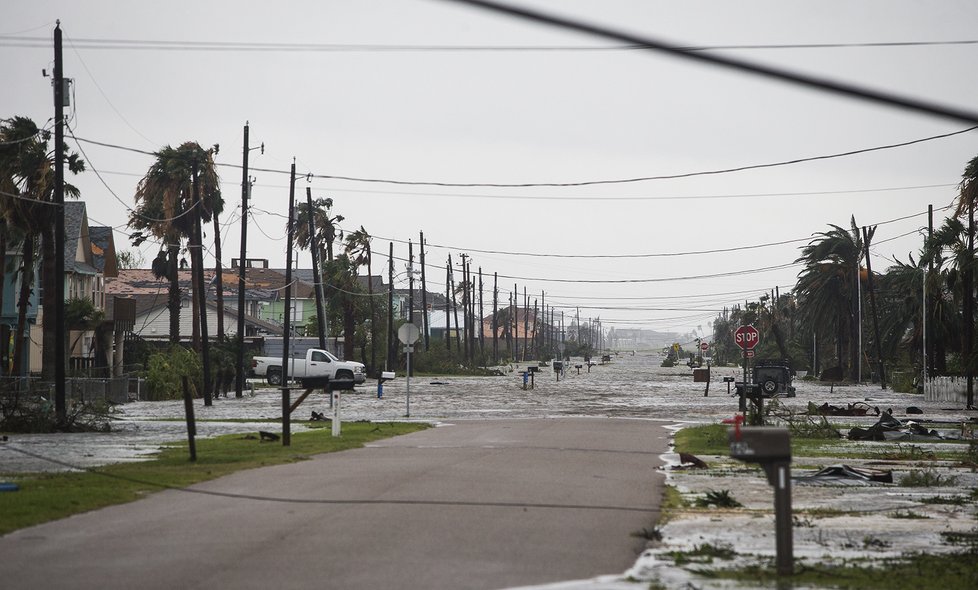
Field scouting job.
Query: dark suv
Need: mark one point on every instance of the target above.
(771, 378)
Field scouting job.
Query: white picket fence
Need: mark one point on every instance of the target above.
(946, 389)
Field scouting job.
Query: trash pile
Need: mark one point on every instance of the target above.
(842, 471)
(890, 428)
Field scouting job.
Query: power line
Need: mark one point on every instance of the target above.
(822, 84)
(578, 183)
(14, 40)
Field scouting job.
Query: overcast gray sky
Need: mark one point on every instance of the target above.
(381, 90)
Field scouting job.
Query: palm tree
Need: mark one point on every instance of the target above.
(165, 209)
(947, 250)
(325, 227)
(827, 289)
(27, 181)
(358, 248)
(344, 298)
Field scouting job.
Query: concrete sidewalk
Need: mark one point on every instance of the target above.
(486, 504)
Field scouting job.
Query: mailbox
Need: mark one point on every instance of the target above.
(533, 369)
(387, 375)
(558, 366)
(771, 448)
(760, 444)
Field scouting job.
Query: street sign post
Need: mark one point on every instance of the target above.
(408, 334)
(746, 337)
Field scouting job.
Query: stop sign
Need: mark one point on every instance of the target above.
(747, 337)
(704, 346)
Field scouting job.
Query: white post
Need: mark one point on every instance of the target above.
(408, 349)
(335, 398)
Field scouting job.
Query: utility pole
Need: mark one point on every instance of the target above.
(197, 253)
(448, 305)
(482, 335)
(410, 269)
(451, 284)
(928, 332)
(465, 310)
(495, 318)
(286, 322)
(390, 309)
(969, 307)
(60, 405)
(316, 272)
(424, 300)
(526, 321)
(242, 266)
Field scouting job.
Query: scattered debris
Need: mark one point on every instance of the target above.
(268, 436)
(853, 409)
(690, 461)
(914, 410)
(442, 382)
(843, 471)
(8, 487)
(890, 428)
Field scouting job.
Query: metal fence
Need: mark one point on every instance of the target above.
(115, 390)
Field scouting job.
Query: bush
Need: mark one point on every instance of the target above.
(164, 379)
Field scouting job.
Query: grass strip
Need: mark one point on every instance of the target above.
(50, 496)
(711, 439)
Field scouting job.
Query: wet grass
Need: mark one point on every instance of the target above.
(910, 572)
(711, 439)
(50, 496)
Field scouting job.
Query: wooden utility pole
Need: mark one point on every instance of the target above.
(495, 318)
(287, 316)
(969, 307)
(465, 311)
(424, 300)
(410, 269)
(391, 358)
(317, 274)
(448, 305)
(60, 404)
(482, 335)
(242, 264)
(451, 283)
(197, 254)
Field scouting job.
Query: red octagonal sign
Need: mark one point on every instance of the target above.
(747, 337)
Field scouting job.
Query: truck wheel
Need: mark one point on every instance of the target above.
(344, 375)
(770, 386)
(274, 377)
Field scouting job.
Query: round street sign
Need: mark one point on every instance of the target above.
(747, 337)
(704, 346)
(408, 333)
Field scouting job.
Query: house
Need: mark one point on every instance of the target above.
(152, 315)
(8, 310)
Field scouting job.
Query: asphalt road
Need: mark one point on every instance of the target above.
(481, 504)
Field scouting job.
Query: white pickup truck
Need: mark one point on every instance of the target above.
(318, 365)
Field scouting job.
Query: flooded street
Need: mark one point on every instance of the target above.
(833, 520)
(633, 386)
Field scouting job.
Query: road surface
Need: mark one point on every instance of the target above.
(471, 504)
